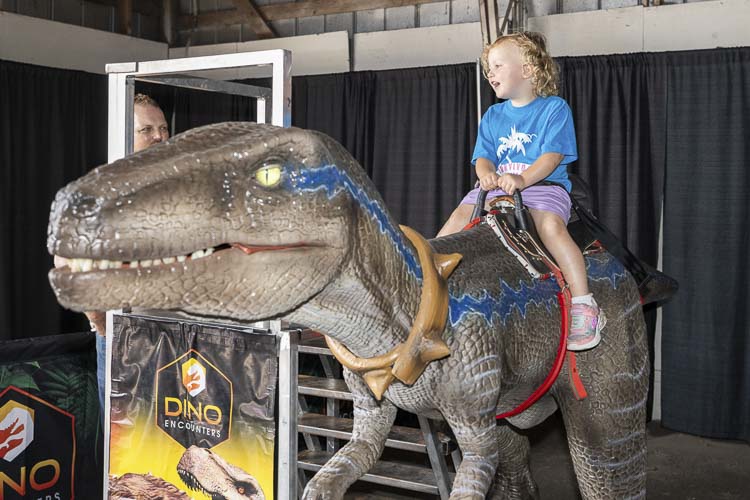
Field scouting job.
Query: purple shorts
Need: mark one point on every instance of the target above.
(548, 198)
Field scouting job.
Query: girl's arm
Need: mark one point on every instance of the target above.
(486, 173)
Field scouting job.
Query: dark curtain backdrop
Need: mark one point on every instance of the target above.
(706, 334)
(413, 130)
(185, 109)
(646, 124)
(618, 105)
(53, 129)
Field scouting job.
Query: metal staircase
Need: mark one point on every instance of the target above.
(333, 427)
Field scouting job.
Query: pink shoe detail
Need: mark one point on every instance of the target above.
(585, 326)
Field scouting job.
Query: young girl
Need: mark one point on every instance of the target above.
(524, 140)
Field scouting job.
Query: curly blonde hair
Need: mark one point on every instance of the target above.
(533, 48)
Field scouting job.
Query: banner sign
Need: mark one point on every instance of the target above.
(49, 419)
(192, 410)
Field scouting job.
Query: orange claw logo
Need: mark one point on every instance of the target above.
(6, 443)
(193, 377)
(191, 380)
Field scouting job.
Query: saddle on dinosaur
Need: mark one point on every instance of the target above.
(249, 222)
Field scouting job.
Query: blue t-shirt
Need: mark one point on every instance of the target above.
(513, 138)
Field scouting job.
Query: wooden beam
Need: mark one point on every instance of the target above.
(291, 10)
(125, 17)
(170, 10)
(488, 20)
(254, 18)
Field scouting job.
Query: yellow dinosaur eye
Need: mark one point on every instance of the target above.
(269, 175)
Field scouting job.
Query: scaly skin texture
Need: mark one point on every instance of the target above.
(203, 470)
(334, 260)
(143, 487)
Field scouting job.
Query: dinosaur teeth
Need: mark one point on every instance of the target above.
(85, 265)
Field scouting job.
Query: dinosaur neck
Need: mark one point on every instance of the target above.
(381, 281)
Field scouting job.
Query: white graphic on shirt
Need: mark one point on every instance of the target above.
(514, 143)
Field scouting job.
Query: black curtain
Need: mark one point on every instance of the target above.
(618, 109)
(53, 129)
(185, 108)
(706, 333)
(413, 130)
(618, 105)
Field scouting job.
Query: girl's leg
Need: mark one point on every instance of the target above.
(587, 320)
(458, 219)
(568, 256)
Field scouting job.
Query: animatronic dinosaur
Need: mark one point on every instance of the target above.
(250, 221)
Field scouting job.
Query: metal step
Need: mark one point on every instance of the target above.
(405, 476)
(333, 388)
(402, 438)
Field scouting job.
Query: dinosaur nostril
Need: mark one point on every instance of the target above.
(83, 205)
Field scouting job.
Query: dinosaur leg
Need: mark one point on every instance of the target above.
(607, 430)
(478, 439)
(372, 423)
(513, 478)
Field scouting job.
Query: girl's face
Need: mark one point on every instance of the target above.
(509, 76)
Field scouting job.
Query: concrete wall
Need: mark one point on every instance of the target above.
(700, 25)
(435, 46)
(60, 45)
(311, 54)
(690, 26)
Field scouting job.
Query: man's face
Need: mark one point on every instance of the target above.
(149, 127)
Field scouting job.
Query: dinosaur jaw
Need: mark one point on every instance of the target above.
(205, 471)
(237, 281)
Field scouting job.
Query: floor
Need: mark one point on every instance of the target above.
(680, 467)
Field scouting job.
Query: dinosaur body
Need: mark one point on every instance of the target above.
(295, 229)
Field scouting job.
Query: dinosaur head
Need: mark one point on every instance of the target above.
(236, 220)
(203, 470)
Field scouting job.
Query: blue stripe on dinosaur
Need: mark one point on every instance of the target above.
(540, 292)
(605, 267)
(333, 180)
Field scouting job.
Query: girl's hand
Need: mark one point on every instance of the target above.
(488, 182)
(511, 182)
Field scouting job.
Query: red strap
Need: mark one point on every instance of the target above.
(575, 377)
(564, 299)
(472, 223)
